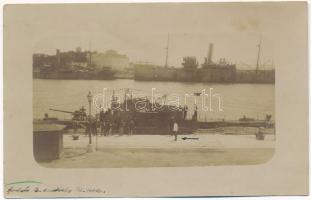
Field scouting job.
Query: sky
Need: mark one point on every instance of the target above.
(141, 30)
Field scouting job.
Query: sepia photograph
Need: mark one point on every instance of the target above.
(188, 89)
(138, 93)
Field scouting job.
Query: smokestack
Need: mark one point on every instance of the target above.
(210, 53)
(58, 57)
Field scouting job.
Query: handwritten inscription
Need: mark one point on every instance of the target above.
(25, 188)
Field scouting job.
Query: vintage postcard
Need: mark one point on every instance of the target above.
(155, 99)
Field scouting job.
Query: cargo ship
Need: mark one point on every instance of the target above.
(221, 72)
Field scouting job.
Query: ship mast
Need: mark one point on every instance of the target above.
(166, 59)
(258, 55)
(90, 49)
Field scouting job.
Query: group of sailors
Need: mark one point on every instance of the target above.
(113, 123)
(110, 124)
(79, 115)
(185, 111)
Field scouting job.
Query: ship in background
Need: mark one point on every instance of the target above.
(70, 66)
(110, 65)
(221, 72)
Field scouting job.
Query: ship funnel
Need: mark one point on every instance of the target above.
(58, 57)
(210, 53)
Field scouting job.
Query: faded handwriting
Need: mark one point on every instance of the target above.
(23, 187)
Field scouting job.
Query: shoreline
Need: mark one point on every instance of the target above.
(162, 151)
(135, 158)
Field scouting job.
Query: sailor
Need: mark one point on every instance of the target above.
(195, 115)
(101, 115)
(109, 128)
(122, 127)
(171, 124)
(185, 112)
(131, 126)
(108, 123)
(116, 124)
(103, 125)
(93, 127)
(175, 130)
(83, 113)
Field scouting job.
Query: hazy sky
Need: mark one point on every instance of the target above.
(140, 30)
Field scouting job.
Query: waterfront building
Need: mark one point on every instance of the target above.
(110, 58)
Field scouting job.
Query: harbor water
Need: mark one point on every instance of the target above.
(221, 101)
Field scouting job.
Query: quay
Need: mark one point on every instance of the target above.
(163, 151)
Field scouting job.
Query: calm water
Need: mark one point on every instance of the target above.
(252, 100)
